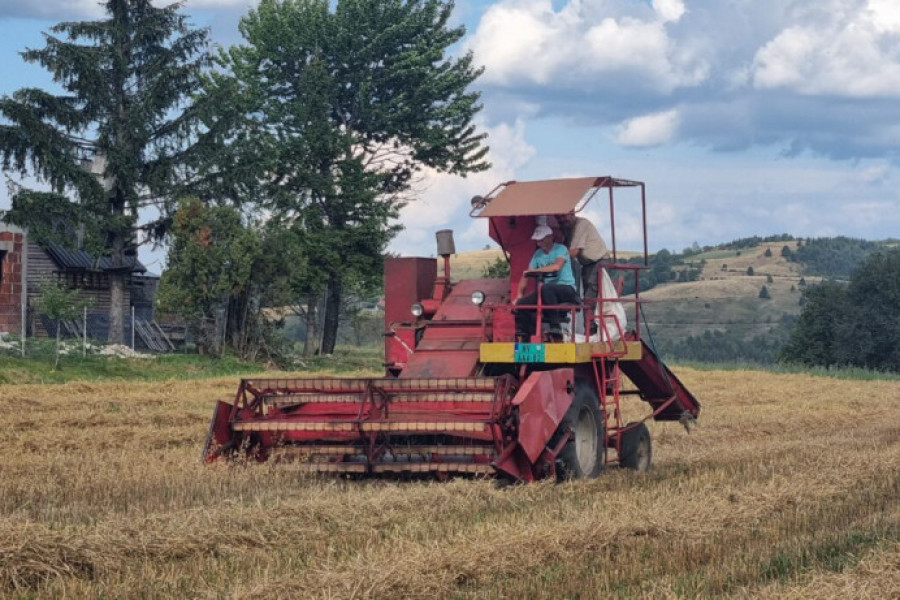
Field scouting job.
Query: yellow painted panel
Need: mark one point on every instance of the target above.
(562, 353)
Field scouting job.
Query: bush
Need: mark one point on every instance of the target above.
(497, 269)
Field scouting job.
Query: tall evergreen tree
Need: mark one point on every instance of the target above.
(352, 98)
(875, 293)
(127, 80)
(815, 339)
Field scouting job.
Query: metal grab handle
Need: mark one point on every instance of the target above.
(539, 275)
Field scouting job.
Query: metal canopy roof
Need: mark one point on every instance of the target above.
(79, 260)
(546, 197)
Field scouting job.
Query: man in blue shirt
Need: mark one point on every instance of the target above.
(558, 288)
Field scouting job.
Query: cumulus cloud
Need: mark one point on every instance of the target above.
(818, 76)
(669, 10)
(649, 130)
(529, 42)
(849, 51)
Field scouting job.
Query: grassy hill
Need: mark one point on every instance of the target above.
(469, 265)
(725, 296)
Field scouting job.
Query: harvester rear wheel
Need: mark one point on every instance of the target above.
(636, 448)
(584, 455)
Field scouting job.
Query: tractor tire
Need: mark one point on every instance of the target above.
(636, 448)
(584, 455)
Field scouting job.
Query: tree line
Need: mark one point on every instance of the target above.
(856, 323)
(851, 323)
(274, 169)
(729, 345)
(834, 256)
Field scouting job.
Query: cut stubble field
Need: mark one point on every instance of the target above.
(789, 487)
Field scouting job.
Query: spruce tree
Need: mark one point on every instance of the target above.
(126, 82)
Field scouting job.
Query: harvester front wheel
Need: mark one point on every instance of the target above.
(584, 455)
(636, 448)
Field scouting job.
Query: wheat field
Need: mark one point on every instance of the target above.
(788, 488)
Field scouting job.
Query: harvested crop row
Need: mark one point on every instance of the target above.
(787, 482)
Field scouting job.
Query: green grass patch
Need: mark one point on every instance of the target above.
(39, 369)
(835, 555)
(347, 358)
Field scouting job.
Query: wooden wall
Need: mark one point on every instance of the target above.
(42, 268)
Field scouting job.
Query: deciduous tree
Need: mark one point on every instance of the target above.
(60, 303)
(352, 98)
(210, 266)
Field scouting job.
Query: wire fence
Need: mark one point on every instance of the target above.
(87, 334)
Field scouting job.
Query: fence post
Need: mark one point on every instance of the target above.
(84, 333)
(132, 327)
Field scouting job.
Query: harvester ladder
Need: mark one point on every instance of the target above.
(609, 380)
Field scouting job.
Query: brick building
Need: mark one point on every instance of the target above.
(12, 278)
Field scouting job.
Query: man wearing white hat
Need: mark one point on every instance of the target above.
(558, 288)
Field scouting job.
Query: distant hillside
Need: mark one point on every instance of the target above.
(726, 297)
(711, 309)
(470, 265)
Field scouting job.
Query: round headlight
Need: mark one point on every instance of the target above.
(417, 309)
(477, 297)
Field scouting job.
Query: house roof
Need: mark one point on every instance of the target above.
(81, 260)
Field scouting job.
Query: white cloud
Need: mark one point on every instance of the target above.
(649, 130)
(669, 10)
(851, 53)
(885, 15)
(527, 41)
(445, 199)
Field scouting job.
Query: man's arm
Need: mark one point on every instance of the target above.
(577, 241)
(553, 267)
(523, 281)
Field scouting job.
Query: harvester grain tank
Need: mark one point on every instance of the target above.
(461, 394)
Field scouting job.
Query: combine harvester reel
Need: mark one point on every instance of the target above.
(463, 395)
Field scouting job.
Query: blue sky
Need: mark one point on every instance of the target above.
(743, 117)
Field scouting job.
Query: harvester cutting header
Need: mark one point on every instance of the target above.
(519, 377)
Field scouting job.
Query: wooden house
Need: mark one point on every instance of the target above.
(25, 265)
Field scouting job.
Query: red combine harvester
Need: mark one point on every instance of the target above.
(461, 395)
